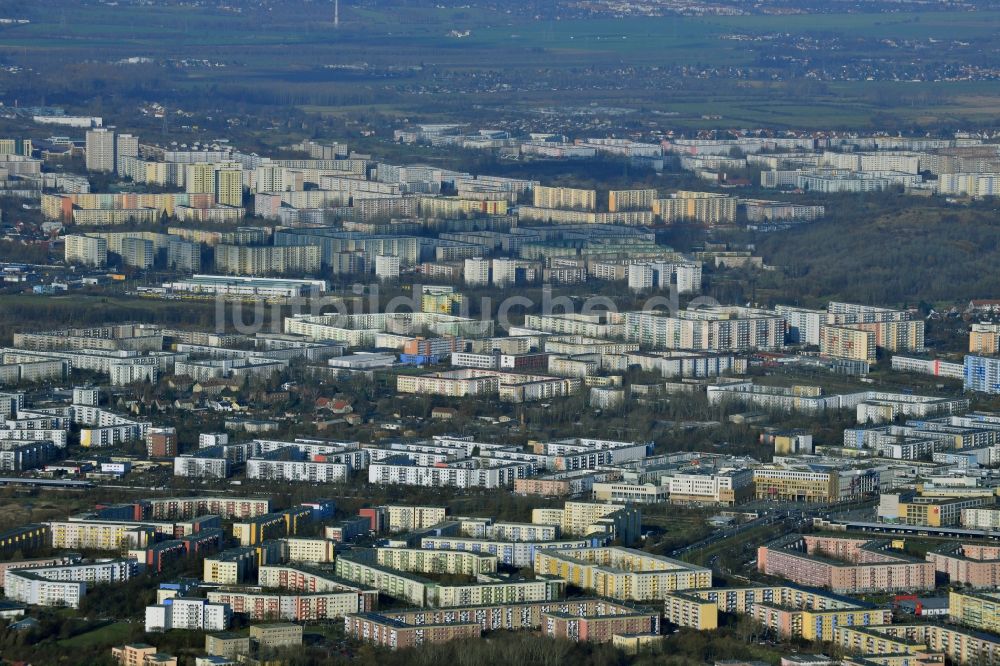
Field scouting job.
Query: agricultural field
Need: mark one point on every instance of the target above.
(830, 71)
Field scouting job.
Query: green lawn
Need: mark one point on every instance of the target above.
(115, 633)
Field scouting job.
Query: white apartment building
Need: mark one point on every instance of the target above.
(477, 272)
(386, 267)
(201, 467)
(508, 552)
(189, 614)
(501, 476)
(296, 470)
(207, 439)
(969, 184)
(661, 275)
(27, 587)
(64, 585)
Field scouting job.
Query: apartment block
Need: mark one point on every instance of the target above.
(981, 519)
(303, 549)
(418, 560)
(258, 604)
(599, 620)
(982, 374)
(100, 150)
(619, 200)
(138, 253)
(976, 610)
(226, 508)
(393, 634)
(789, 610)
(184, 255)
(974, 565)
(564, 197)
(508, 552)
(361, 568)
(704, 207)
(64, 585)
(296, 470)
(713, 329)
(616, 521)
(251, 260)
(845, 566)
(958, 645)
(622, 573)
(188, 614)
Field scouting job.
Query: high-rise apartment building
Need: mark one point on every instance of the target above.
(228, 184)
(477, 271)
(200, 178)
(270, 178)
(101, 150)
(86, 250)
(847, 342)
(137, 252)
(184, 255)
(161, 442)
(126, 146)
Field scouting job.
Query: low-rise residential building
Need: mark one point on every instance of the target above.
(227, 645)
(141, 654)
